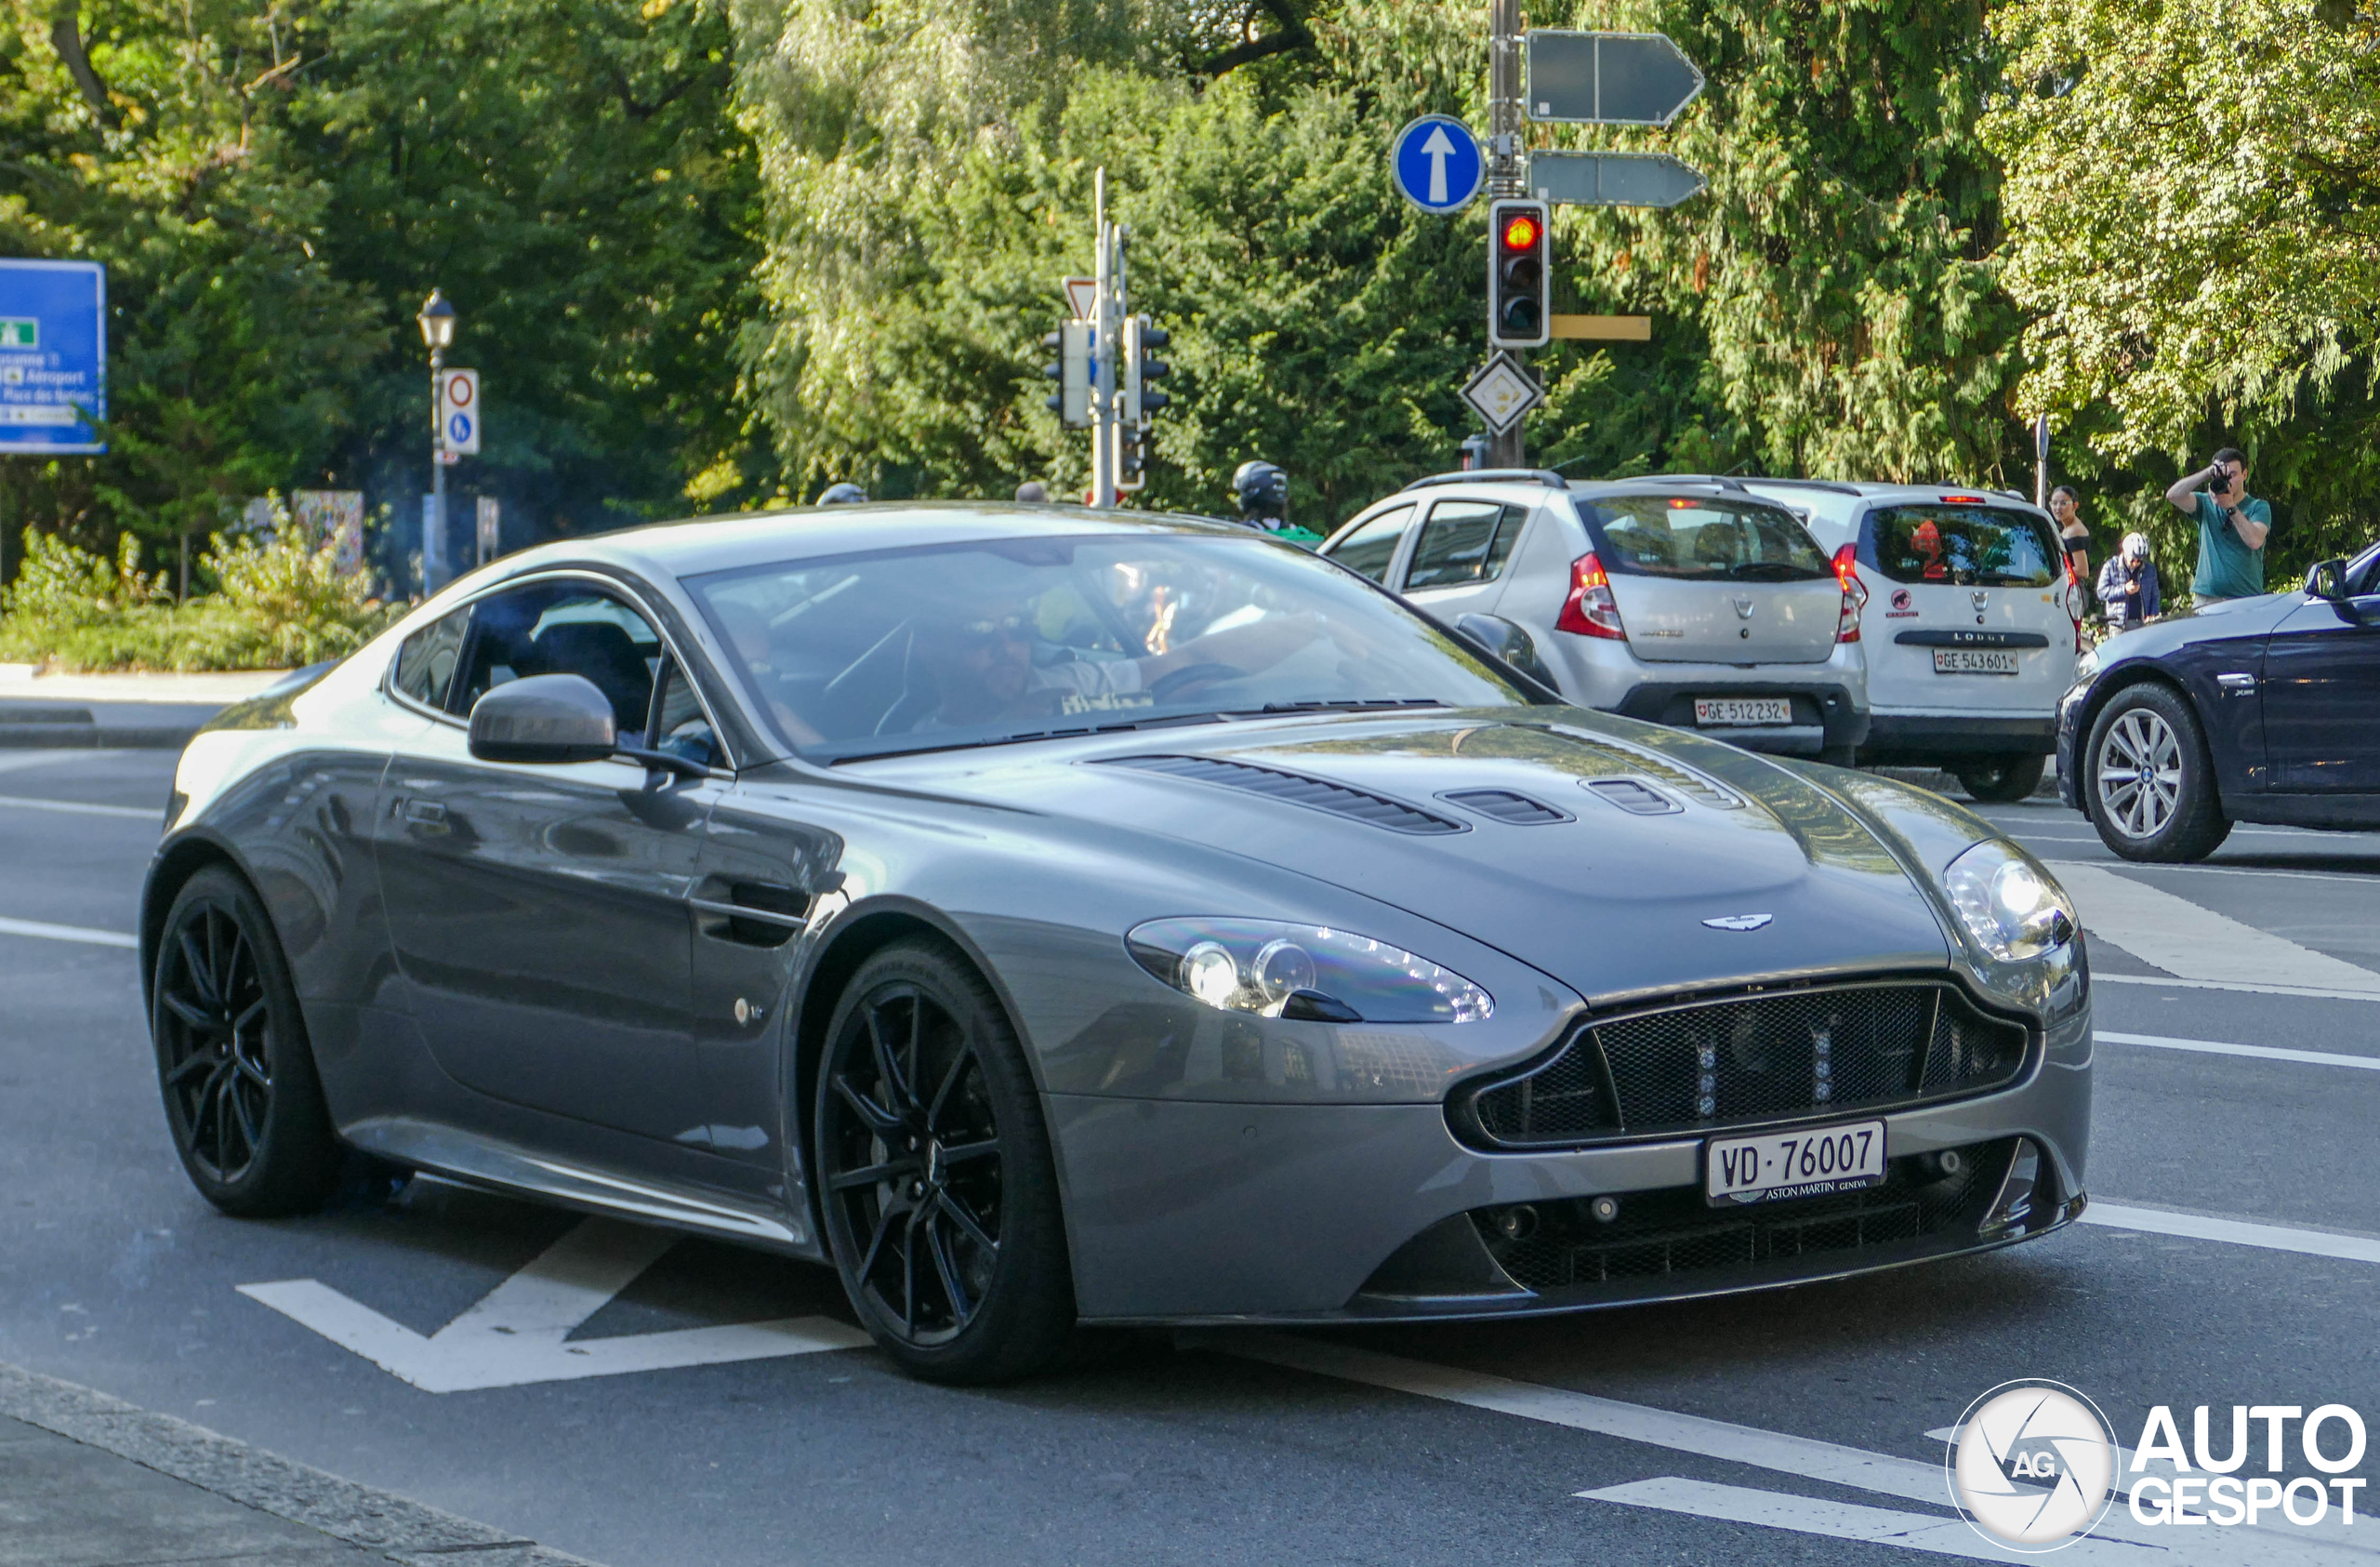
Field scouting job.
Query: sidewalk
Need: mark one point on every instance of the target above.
(87, 1480)
(116, 711)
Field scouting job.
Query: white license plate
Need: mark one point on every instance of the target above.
(1973, 661)
(1810, 1163)
(1742, 710)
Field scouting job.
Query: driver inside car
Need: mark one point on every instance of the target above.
(990, 667)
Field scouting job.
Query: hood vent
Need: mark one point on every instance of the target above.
(1635, 796)
(1298, 790)
(1502, 804)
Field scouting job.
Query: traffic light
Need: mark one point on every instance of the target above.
(1142, 400)
(1132, 457)
(1517, 313)
(1072, 343)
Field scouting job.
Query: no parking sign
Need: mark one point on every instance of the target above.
(458, 411)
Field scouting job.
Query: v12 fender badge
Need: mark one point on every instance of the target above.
(1738, 922)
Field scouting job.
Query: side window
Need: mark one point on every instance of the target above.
(1371, 548)
(426, 659)
(1464, 541)
(679, 724)
(562, 627)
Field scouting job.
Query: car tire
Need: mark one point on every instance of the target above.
(935, 1181)
(2150, 779)
(2001, 779)
(234, 1066)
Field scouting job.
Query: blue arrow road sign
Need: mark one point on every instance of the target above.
(53, 355)
(1436, 164)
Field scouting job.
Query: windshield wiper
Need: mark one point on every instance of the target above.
(1339, 704)
(1779, 571)
(1070, 731)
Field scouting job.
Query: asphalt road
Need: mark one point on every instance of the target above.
(1240, 1448)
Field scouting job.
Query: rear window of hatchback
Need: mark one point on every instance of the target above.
(1964, 546)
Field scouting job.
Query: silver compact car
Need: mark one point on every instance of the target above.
(1051, 918)
(1970, 623)
(1689, 602)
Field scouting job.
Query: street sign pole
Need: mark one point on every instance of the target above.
(1505, 446)
(1103, 385)
(433, 531)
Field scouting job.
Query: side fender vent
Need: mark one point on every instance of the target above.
(1341, 799)
(1502, 804)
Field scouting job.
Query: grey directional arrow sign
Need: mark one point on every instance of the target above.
(1611, 179)
(1609, 78)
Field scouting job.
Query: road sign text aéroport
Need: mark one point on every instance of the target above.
(1609, 78)
(1436, 164)
(53, 356)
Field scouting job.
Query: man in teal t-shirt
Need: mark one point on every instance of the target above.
(2231, 529)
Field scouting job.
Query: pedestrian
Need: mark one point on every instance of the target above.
(1033, 491)
(2232, 525)
(1262, 491)
(2074, 536)
(2128, 584)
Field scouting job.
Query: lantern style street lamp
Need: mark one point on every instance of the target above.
(437, 321)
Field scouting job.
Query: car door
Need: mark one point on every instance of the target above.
(538, 914)
(2322, 697)
(1456, 567)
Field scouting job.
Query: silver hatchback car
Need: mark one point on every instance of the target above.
(1689, 602)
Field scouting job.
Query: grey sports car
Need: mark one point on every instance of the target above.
(1054, 918)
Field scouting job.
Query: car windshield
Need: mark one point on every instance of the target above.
(1701, 539)
(982, 643)
(1968, 546)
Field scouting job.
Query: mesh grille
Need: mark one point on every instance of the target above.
(1322, 795)
(1660, 1234)
(1763, 1058)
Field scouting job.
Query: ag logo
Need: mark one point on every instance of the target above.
(2033, 1467)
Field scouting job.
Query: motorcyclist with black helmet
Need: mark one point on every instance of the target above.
(1263, 492)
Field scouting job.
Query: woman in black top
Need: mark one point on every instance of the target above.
(2072, 535)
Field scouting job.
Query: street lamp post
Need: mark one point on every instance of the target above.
(437, 319)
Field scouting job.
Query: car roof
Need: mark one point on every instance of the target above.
(1875, 491)
(694, 546)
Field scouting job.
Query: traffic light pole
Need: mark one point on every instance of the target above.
(1505, 123)
(1104, 344)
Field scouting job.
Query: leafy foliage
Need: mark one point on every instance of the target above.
(2193, 202)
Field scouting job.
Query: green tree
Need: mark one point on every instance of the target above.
(2193, 205)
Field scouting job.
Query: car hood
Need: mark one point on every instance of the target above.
(1609, 901)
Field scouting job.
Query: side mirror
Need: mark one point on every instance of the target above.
(546, 718)
(2326, 580)
(1508, 642)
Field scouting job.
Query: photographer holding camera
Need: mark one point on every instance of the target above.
(2231, 529)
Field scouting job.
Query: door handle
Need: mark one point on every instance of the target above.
(425, 813)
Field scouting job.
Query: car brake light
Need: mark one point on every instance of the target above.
(1964, 500)
(1855, 593)
(1589, 611)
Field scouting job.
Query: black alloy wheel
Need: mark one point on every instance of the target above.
(242, 1097)
(2004, 778)
(2150, 781)
(934, 1177)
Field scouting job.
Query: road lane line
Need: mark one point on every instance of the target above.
(51, 758)
(136, 813)
(2236, 1232)
(1803, 1458)
(1934, 1533)
(2307, 992)
(2182, 938)
(67, 933)
(2260, 1052)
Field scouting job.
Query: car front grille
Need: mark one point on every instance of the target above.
(1550, 1247)
(1772, 1055)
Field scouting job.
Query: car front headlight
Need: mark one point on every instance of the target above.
(2008, 902)
(1303, 973)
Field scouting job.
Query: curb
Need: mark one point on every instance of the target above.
(399, 1530)
(95, 736)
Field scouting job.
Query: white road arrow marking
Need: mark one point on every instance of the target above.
(1437, 148)
(520, 1332)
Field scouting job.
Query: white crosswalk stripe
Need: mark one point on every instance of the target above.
(2180, 937)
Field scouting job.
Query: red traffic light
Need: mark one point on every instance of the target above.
(1521, 231)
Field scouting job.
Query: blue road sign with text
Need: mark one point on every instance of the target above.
(53, 356)
(1436, 164)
